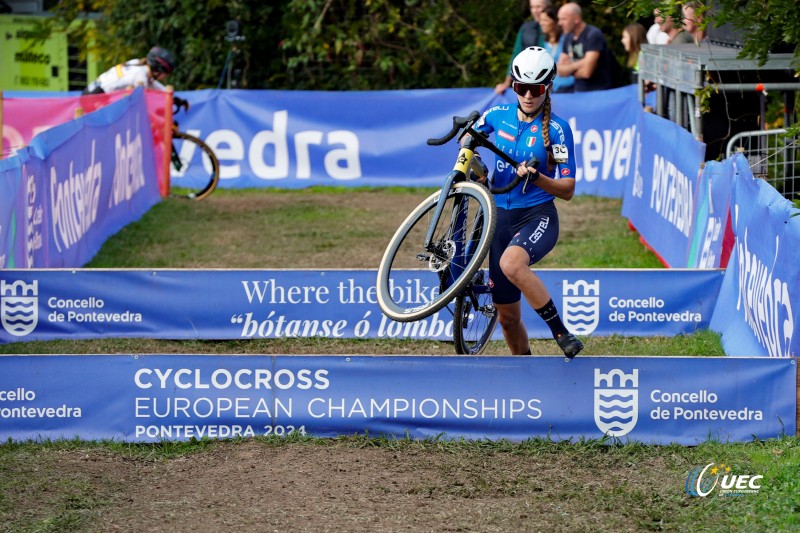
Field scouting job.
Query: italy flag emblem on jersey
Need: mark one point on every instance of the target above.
(530, 141)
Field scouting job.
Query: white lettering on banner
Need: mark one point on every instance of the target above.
(243, 379)
(717, 414)
(603, 152)
(702, 396)
(683, 316)
(128, 169)
(62, 411)
(636, 303)
(186, 432)
(270, 292)
(59, 305)
(764, 300)
(35, 215)
(431, 327)
(73, 203)
(280, 327)
(695, 412)
(350, 293)
(671, 196)
(203, 407)
(638, 180)
(341, 161)
(428, 408)
(708, 258)
(17, 395)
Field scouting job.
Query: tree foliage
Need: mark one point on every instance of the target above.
(368, 44)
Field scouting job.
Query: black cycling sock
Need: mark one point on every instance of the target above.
(550, 315)
(527, 353)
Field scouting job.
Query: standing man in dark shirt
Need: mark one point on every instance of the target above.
(586, 55)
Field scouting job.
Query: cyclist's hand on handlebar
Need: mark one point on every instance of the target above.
(528, 171)
(478, 171)
(179, 103)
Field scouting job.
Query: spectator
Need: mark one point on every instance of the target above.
(586, 55)
(633, 36)
(529, 34)
(675, 34)
(654, 34)
(553, 42)
(692, 19)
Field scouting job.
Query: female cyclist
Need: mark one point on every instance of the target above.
(527, 220)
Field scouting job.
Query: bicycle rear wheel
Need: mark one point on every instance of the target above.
(413, 283)
(199, 182)
(475, 318)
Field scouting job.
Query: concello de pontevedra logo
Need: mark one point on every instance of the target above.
(19, 307)
(581, 302)
(616, 405)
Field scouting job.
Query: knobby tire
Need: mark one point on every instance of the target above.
(207, 187)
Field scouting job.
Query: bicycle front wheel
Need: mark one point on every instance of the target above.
(199, 181)
(415, 282)
(475, 318)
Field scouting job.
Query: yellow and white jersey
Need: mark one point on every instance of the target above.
(129, 75)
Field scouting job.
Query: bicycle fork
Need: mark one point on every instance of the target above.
(450, 254)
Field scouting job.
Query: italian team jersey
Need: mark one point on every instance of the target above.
(521, 141)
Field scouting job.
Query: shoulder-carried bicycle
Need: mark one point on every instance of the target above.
(195, 182)
(437, 254)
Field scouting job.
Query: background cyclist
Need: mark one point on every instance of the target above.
(148, 72)
(527, 219)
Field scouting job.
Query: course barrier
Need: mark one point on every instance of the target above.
(296, 139)
(75, 185)
(245, 304)
(150, 398)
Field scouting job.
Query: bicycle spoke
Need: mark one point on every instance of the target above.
(415, 282)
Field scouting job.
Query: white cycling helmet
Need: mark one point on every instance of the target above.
(534, 65)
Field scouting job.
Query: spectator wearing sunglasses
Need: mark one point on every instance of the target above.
(527, 219)
(586, 54)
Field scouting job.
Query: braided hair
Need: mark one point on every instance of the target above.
(546, 132)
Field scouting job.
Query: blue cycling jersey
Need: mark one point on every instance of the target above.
(521, 141)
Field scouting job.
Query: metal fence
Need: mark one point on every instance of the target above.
(773, 156)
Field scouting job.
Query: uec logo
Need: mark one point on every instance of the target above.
(703, 480)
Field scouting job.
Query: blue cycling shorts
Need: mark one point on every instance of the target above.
(533, 228)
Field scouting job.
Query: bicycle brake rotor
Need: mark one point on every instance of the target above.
(442, 257)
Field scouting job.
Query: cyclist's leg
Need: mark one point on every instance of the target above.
(505, 294)
(536, 233)
(535, 238)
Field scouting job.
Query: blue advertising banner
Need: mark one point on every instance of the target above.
(758, 305)
(711, 210)
(297, 139)
(659, 200)
(150, 398)
(243, 304)
(604, 125)
(12, 213)
(77, 184)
